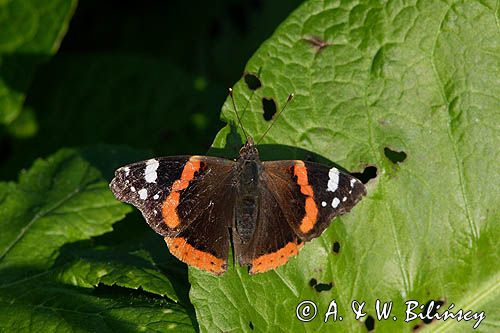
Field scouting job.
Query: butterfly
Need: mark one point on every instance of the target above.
(266, 210)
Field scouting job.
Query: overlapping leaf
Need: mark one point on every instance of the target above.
(49, 281)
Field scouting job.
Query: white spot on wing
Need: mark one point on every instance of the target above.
(156, 196)
(143, 194)
(150, 174)
(344, 199)
(126, 170)
(132, 189)
(353, 181)
(333, 181)
(335, 202)
(323, 204)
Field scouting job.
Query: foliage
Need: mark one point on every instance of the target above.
(31, 32)
(45, 283)
(410, 89)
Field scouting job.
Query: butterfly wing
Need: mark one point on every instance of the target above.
(298, 201)
(319, 192)
(178, 196)
(273, 241)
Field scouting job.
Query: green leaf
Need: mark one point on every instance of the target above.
(37, 304)
(90, 267)
(25, 125)
(53, 277)
(30, 33)
(420, 79)
(59, 200)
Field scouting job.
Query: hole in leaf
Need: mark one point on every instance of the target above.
(336, 247)
(368, 173)
(313, 282)
(252, 81)
(433, 309)
(250, 324)
(269, 107)
(394, 156)
(323, 287)
(370, 323)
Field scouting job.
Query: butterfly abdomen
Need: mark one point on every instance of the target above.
(247, 201)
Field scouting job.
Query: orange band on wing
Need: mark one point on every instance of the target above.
(311, 216)
(275, 259)
(169, 208)
(194, 257)
(309, 219)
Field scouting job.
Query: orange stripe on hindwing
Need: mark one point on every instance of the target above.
(309, 219)
(169, 208)
(179, 247)
(275, 259)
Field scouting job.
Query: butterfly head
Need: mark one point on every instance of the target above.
(249, 150)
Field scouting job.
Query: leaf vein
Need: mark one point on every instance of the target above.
(42, 214)
(446, 100)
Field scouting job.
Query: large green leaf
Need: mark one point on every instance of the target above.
(30, 32)
(52, 277)
(371, 78)
(59, 200)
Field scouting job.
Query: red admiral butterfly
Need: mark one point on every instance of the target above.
(267, 209)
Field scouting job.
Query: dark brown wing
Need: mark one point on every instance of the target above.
(311, 194)
(273, 241)
(297, 202)
(187, 199)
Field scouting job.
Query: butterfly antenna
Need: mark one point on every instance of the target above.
(276, 118)
(237, 115)
(246, 105)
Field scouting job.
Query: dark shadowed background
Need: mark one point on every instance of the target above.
(146, 75)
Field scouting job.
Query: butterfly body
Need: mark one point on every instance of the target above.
(247, 179)
(267, 209)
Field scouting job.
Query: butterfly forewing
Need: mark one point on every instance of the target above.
(318, 193)
(147, 184)
(187, 199)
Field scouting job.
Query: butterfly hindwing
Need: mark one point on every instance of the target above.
(273, 241)
(186, 199)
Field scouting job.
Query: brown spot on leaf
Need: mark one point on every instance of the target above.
(317, 43)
